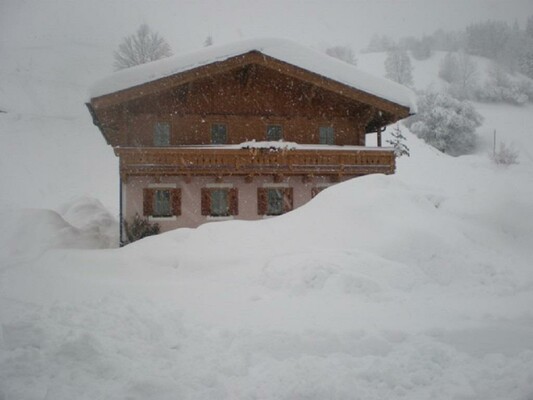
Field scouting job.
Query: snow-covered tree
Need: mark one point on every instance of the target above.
(379, 43)
(448, 68)
(525, 61)
(500, 86)
(465, 77)
(343, 53)
(461, 72)
(397, 141)
(208, 41)
(141, 47)
(421, 49)
(398, 67)
(529, 27)
(487, 39)
(139, 228)
(445, 123)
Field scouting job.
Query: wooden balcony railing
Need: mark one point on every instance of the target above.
(235, 161)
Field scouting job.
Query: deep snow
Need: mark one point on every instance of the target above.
(415, 286)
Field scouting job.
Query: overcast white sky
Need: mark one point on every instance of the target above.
(185, 24)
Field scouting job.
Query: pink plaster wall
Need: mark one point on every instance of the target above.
(191, 201)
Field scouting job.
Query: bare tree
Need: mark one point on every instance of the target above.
(466, 76)
(398, 67)
(208, 41)
(343, 53)
(142, 47)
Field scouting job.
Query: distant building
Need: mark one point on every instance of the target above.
(247, 130)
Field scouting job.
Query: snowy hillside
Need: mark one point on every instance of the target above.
(415, 286)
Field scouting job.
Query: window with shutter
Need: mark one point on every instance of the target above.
(326, 135)
(288, 199)
(220, 202)
(161, 203)
(148, 203)
(274, 201)
(176, 201)
(206, 201)
(234, 201)
(219, 134)
(262, 201)
(162, 134)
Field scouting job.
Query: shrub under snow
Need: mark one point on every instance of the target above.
(505, 155)
(500, 86)
(446, 123)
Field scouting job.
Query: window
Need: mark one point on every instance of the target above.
(218, 134)
(161, 202)
(274, 132)
(162, 134)
(220, 202)
(326, 135)
(274, 201)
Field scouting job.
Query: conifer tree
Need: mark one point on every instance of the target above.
(398, 142)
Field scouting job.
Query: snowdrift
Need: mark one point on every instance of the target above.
(82, 223)
(413, 286)
(381, 287)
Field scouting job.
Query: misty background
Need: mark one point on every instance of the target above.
(185, 24)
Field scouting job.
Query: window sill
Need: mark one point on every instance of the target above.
(213, 218)
(156, 219)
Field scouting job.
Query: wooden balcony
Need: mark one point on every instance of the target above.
(334, 161)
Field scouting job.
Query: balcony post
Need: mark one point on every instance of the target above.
(379, 131)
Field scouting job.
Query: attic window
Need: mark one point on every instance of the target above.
(219, 134)
(162, 134)
(326, 135)
(274, 132)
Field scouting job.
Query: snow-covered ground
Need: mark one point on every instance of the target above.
(415, 286)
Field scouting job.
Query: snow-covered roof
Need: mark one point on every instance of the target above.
(280, 49)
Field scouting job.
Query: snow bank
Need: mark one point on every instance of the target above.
(272, 145)
(81, 224)
(414, 286)
(280, 49)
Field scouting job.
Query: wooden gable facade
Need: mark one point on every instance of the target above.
(243, 137)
